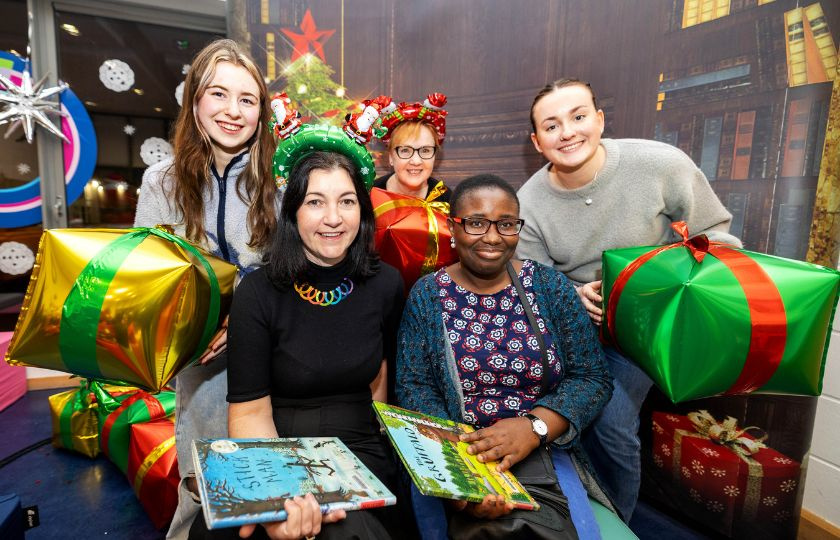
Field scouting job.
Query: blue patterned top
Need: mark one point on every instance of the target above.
(498, 356)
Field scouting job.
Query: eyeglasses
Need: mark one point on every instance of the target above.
(506, 227)
(425, 152)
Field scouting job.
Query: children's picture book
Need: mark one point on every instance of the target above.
(438, 461)
(247, 480)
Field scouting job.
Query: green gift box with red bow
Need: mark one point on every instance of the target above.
(723, 476)
(704, 318)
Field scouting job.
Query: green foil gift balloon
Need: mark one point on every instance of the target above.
(703, 318)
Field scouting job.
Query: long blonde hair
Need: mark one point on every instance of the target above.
(194, 153)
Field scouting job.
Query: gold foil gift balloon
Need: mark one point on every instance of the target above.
(128, 305)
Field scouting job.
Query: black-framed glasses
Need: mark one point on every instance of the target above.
(425, 152)
(505, 226)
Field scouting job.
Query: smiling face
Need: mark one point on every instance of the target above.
(411, 175)
(328, 220)
(228, 111)
(568, 130)
(485, 255)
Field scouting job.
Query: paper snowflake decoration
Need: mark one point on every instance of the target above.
(179, 93)
(154, 150)
(116, 75)
(23, 168)
(15, 258)
(129, 130)
(27, 104)
(732, 491)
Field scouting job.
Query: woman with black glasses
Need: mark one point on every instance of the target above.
(507, 346)
(415, 134)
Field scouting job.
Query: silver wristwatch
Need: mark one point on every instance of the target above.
(539, 427)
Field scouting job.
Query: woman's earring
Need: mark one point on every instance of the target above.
(452, 242)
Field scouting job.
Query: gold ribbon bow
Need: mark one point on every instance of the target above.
(429, 205)
(727, 434)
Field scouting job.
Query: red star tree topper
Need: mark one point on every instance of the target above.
(309, 36)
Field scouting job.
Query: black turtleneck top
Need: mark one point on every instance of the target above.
(282, 345)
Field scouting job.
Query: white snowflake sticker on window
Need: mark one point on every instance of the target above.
(179, 93)
(710, 452)
(788, 486)
(732, 491)
(718, 472)
(15, 258)
(697, 466)
(116, 75)
(154, 149)
(769, 501)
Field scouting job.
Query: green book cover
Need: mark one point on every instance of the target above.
(439, 463)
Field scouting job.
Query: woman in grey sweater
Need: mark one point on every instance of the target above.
(218, 191)
(597, 194)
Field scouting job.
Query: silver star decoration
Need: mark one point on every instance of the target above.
(27, 103)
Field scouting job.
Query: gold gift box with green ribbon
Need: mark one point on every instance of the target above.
(133, 306)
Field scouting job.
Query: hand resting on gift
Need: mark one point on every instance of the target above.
(590, 296)
(218, 345)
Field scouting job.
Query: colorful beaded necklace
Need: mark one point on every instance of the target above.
(325, 298)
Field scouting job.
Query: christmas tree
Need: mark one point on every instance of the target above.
(310, 86)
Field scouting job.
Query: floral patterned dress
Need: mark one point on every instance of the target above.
(497, 354)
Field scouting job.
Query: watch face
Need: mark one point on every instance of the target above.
(540, 428)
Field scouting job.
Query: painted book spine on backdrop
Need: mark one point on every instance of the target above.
(438, 462)
(247, 480)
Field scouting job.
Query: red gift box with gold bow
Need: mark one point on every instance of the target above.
(153, 468)
(411, 233)
(725, 473)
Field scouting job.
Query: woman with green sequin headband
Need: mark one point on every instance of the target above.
(312, 335)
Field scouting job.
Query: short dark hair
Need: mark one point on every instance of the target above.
(287, 262)
(474, 183)
(557, 85)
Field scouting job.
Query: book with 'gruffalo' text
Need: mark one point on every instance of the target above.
(438, 461)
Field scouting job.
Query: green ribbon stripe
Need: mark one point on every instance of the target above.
(77, 404)
(82, 309)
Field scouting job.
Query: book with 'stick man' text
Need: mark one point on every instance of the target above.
(245, 481)
(438, 461)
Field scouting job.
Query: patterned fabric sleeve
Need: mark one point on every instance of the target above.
(419, 388)
(587, 385)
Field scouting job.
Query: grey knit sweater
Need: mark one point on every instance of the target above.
(156, 206)
(642, 188)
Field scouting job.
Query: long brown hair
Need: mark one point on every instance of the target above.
(194, 153)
